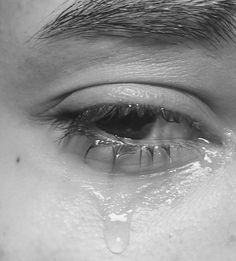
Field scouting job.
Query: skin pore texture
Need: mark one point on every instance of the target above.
(53, 207)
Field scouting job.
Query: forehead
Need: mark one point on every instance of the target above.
(23, 17)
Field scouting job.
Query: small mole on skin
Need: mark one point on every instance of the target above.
(18, 160)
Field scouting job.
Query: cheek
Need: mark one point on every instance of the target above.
(213, 217)
(201, 227)
(39, 221)
(40, 215)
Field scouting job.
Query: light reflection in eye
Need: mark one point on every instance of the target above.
(134, 138)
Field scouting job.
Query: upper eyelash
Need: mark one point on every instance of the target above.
(97, 112)
(81, 122)
(77, 121)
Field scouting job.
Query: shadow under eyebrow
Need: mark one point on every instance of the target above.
(170, 21)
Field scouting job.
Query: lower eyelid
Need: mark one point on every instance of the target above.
(102, 156)
(201, 150)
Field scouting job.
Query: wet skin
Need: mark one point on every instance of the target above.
(52, 206)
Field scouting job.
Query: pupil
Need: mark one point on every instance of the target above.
(129, 122)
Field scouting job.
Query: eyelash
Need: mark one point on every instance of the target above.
(84, 123)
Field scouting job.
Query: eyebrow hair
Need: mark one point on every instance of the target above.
(172, 20)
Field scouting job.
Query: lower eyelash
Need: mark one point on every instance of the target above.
(119, 150)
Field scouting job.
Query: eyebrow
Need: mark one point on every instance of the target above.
(172, 20)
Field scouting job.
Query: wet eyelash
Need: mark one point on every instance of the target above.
(119, 150)
(95, 113)
(83, 122)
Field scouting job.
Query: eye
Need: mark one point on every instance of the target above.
(130, 138)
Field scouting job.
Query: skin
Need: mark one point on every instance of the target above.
(44, 215)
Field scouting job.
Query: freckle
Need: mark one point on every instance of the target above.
(18, 160)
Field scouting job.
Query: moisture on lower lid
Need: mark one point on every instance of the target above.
(118, 200)
(119, 197)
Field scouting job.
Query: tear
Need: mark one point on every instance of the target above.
(117, 232)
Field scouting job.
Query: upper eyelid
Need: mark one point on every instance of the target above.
(170, 99)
